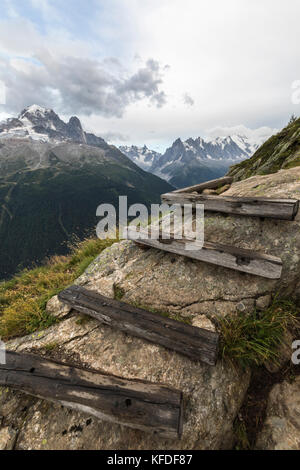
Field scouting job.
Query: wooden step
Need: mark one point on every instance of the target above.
(134, 403)
(213, 184)
(246, 261)
(285, 209)
(196, 343)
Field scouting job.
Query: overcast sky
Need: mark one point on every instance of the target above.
(149, 71)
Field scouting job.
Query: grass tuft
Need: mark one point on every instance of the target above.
(241, 436)
(118, 293)
(51, 346)
(253, 340)
(23, 299)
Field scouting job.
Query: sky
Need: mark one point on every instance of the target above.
(150, 71)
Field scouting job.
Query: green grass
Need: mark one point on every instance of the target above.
(254, 339)
(51, 346)
(279, 151)
(248, 340)
(23, 299)
(241, 436)
(118, 293)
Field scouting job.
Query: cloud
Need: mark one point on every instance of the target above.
(112, 137)
(188, 100)
(230, 81)
(145, 83)
(258, 136)
(78, 85)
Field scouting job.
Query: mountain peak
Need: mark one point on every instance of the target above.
(34, 109)
(142, 156)
(178, 142)
(195, 160)
(42, 124)
(75, 122)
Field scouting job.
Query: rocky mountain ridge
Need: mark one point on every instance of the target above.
(53, 176)
(195, 160)
(42, 124)
(141, 156)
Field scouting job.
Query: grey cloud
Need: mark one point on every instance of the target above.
(81, 86)
(145, 83)
(188, 100)
(115, 137)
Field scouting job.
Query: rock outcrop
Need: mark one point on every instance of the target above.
(188, 290)
(281, 430)
(212, 395)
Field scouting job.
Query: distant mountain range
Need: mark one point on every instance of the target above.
(194, 160)
(53, 176)
(141, 156)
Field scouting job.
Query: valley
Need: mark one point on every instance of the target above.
(51, 186)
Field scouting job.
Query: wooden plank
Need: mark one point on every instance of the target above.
(196, 343)
(207, 185)
(134, 403)
(285, 209)
(246, 261)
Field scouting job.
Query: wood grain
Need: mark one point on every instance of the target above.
(247, 261)
(213, 184)
(196, 343)
(285, 209)
(134, 403)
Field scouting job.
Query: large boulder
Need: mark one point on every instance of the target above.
(281, 429)
(180, 285)
(212, 395)
(187, 290)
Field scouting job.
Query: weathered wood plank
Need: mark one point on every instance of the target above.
(247, 261)
(196, 343)
(285, 209)
(134, 403)
(207, 185)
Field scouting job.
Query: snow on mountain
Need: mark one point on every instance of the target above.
(247, 146)
(184, 163)
(141, 156)
(228, 149)
(41, 124)
(194, 160)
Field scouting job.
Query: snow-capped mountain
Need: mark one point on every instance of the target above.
(41, 124)
(194, 160)
(184, 163)
(222, 149)
(141, 156)
(53, 176)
